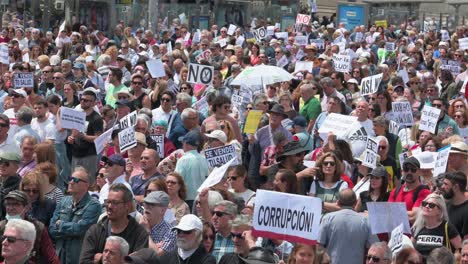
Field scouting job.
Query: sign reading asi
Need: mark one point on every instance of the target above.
(370, 85)
(201, 74)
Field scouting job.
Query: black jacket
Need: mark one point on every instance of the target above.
(200, 256)
(11, 183)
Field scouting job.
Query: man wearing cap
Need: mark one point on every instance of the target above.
(24, 118)
(192, 166)
(73, 216)
(7, 144)
(114, 173)
(301, 134)
(79, 75)
(217, 138)
(83, 149)
(16, 205)
(189, 246)
(10, 180)
(162, 238)
(458, 157)
(115, 85)
(412, 192)
(18, 99)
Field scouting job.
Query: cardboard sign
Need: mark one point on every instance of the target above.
(301, 40)
(338, 124)
(260, 33)
(156, 68)
(303, 19)
(159, 139)
(385, 216)
(320, 43)
(240, 41)
(104, 138)
(304, 66)
(370, 159)
(216, 175)
(4, 56)
(463, 43)
(370, 85)
(342, 63)
(396, 238)
(252, 121)
(202, 74)
(219, 156)
(281, 35)
(127, 139)
(23, 80)
(72, 119)
(232, 28)
(290, 217)
(26, 57)
(441, 160)
(402, 113)
(430, 116)
(128, 120)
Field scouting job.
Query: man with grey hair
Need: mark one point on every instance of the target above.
(24, 117)
(66, 67)
(240, 232)
(183, 101)
(441, 255)
(115, 250)
(224, 212)
(18, 241)
(329, 90)
(189, 243)
(143, 124)
(379, 253)
(190, 121)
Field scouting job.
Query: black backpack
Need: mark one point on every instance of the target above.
(415, 193)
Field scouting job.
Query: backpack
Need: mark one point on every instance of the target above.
(415, 193)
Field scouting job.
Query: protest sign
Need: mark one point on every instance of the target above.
(290, 217)
(463, 43)
(402, 113)
(338, 124)
(72, 119)
(320, 43)
(156, 68)
(183, 18)
(4, 55)
(196, 37)
(396, 238)
(219, 156)
(382, 23)
(26, 57)
(441, 160)
(23, 80)
(159, 139)
(390, 46)
(169, 48)
(216, 175)
(370, 85)
(104, 138)
(444, 35)
(429, 117)
(203, 56)
(251, 123)
(231, 29)
(277, 25)
(402, 157)
(283, 61)
(301, 40)
(127, 139)
(128, 120)
(237, 100)
(187, 37)
(302, 19)
(240, 40)
(358, 37)
(451, 65)
(270, 30)
(393, 127)
(260, 33)
(385, 216)
(304, 66)
(370, 159)
(300, 54)
(222, 42)
(281, 35)
(201, 106)
(404, 75)
(202, 74)
(342, 63)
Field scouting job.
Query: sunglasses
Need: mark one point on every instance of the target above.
(249, 108)
(382, 147)
(406, 169)
(137, 83)
(165, 99)
(185, 88)
(77, 180)
(35, 191)
(329, 163)
(165, 60)
(209, 131)
(459, 106)
(429, 204)
(222, 126)
(237, 235)
(219, 214)
(232, 178)
(56, 78)
(437, 105)
(109, 163)
(86, 100)
(4, 125)
(184, 232)
(373, 258)
(11, 239)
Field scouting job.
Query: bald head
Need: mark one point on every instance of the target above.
(347, 197)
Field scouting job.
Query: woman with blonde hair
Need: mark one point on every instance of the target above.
(34, 184)
(113, 52)
(226, 127)
(432, 225)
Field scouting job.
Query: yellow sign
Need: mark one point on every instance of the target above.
(382, 23)
(252, 121)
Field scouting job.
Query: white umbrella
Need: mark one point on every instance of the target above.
(262, 75)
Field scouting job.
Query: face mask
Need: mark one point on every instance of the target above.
(9, 217)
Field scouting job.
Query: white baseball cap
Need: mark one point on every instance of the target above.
(218, 134)
(189, 222)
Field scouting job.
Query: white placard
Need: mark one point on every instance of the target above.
(444, 35)
(127, 139)
(370, 85)
(320, 43)
(282, 35)
(72, 119)
(156, 68)
(463, 43)
(303, 19)
(26, 57)
(370, 159)
(404, 75)
(451, 65)
(385, 216)
(402, 157)
(232, 28)
(441, 160)
(270, 30)
(201, 106)
(205, 55)
(196, 37)
(309, 163)
(23, 80)
(221, 155)
(301, 40)
(128, 120)
(338, 124)
(159, 139)
(260, 33)
(304, 66)
(202, 74)
(342, 63)
(187, 36)
(237, 100)
(169, 48)
(222, 42)
(104, 138)
(271, 206)
(402, 113)
(396, 238)
(277, 25)
(4, 56)
(358, 37)
(240, 41)
(300, 54)
(283, 61)
(183, 18)
(215, 176)
(390, 46)
(393, 128)
(429, 117)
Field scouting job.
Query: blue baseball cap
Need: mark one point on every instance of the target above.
(193, 138)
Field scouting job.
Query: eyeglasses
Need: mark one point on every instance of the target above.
(124, 47)
(232, 178)
(122, 97)
(113, 203)
(56, 78)
(219, 214)
(249, 108)
(459, 106)
(429, 204)
(412, 169)
(237, 235)
(208, 237)
(171, 182)
(184, 232)
(184, 88)
(77, 180)
(329, 163)
(86, 100)
(165, 99)
(165, 60)
(34, 191)
(372, 98)
(382, 147)
(12, 239)
(137, 83)
(373, 258)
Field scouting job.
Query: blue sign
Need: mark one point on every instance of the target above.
(351, 16)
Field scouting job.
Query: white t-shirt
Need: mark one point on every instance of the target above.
(13, 122)
(45, 130)
(357, 137)
(159, 114)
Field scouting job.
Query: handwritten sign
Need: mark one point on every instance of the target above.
(396, 238)
(338, 124)
(441, 160)
(72, 119)
(303, 19)
(127, 139)
(104, 138)
(231, 29)
(219, 156)
(342, 63)
(463, 43)
(385, 216)
(430, 116)
(159, 139)
(128, 120)
(370, 85)
(451, 65)
(370, 158)
(393, 128)
(202, 74)
(301, 40)
(237, 100)
(402, 113)
(23, 80)
(304, 66)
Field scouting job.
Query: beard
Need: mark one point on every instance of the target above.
(410, 178)
(184, 244)
(448, 195)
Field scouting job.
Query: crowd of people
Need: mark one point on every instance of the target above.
(62, 201)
